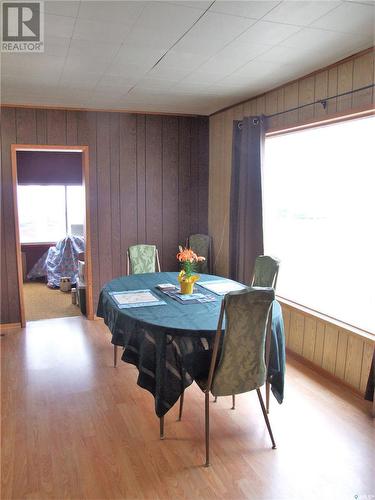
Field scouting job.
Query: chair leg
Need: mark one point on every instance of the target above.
(268, 397)
(233, 401)
(115, 356)
(181, 406)
(161, 419)
(207, 427)
(266, 418)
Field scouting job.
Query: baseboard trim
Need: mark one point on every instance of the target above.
(324, 373)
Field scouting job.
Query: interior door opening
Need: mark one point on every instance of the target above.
(50, 186)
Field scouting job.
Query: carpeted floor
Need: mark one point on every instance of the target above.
(42, 302)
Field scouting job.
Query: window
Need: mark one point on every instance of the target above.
(319, 218)
(46, 213)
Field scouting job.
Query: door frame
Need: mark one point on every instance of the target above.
(84, 150)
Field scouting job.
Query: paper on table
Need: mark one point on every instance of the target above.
(222, 287)
(133, 298)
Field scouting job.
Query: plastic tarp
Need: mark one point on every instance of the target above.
(59, 261)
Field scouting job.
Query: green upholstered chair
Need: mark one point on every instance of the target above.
(142, 259)
(241, 366)
(201, 245)
(266, 270)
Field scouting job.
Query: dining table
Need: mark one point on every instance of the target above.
(171, 343)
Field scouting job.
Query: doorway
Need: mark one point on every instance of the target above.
(52, 226)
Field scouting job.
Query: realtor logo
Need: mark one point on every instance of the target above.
(22, 27)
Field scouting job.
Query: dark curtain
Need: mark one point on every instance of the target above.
(246, 219)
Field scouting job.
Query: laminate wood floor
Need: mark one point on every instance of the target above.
(75, 427)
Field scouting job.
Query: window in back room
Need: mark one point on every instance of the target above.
(319, 217)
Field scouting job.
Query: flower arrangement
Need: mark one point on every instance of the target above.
(188, 260)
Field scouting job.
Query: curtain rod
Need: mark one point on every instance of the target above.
(323, 102)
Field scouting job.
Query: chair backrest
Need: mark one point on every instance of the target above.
(266, 270)
(143, 259)
(201, 245)
(241, 367)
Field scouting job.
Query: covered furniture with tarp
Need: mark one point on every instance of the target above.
(59, 261)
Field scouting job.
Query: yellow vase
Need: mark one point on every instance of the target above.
(187, 284)
(187, 287)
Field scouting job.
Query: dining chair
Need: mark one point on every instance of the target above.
(266, 270)
(201, 245)
(140, 259)
(241, 366)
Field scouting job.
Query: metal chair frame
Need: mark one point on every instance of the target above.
(211, 374)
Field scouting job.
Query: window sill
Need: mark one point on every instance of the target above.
(328, 319)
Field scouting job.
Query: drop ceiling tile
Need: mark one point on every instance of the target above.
(315, 41)
(83, 82)
(100, 31)
(76, 65)
(128, 71)
(203, 77)
(212, 33)
(145, 58)
(56, 46)
(155, 83)
(300, 13)
(112, 84)
(349, 17)
(58, 26)
(251, 9)
(117, 12)
(232, 57)
(160, 25)
(68, 8)
(93, 49)
(29, 63)
(267, 33)
(177, 64)
(195, 4)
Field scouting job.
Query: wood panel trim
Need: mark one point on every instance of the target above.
(325, 373)
(302, 77)
(338, 117)
(17, 235)
(327, 319)
(85, 175)
(98, 110)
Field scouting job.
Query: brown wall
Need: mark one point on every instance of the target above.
(148, 183)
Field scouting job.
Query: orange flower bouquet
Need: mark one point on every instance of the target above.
(188, 260)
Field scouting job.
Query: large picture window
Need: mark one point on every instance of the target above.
(47, 213)
(319, 218)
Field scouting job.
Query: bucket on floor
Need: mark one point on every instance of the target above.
(65, 284)
(74, 296)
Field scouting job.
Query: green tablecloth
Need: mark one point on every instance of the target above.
(171, 344)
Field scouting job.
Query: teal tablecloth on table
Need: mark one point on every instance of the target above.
(171, 344)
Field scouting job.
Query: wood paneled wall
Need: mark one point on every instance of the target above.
(148, 184)
(340, 352)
